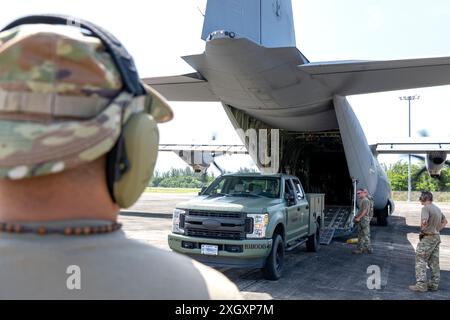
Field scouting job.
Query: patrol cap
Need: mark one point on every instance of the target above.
(62, 101)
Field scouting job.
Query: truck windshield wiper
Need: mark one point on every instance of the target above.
(216, 194)
(242, 194)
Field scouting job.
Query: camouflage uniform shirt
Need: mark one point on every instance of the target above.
(110, 266)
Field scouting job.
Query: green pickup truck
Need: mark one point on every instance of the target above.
(248, 220)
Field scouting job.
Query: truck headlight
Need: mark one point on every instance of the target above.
(178, 221)
(260, 222)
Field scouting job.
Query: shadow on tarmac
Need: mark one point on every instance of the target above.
(335, 273)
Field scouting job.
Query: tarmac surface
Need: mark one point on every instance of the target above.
(332, 273)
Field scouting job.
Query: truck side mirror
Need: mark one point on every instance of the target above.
(202, 190)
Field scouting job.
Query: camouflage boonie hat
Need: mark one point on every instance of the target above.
(61, 100)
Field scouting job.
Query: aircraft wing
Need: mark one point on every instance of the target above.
(412, 145)
(359, 77)
(187, 87)
(217, 149)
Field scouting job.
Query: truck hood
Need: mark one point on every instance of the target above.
(227, 203)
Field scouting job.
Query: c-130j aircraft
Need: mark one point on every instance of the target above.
(252, 66)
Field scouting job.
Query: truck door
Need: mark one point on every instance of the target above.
(293, 211)
(303, 206)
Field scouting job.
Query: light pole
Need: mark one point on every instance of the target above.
(409, 99)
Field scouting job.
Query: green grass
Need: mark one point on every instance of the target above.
(403, 196)
(172, 190)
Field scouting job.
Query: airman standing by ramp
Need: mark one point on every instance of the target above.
(362, 221)
(432, 221)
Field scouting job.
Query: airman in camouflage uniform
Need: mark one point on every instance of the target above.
(63, 105)
(362, 221)
(427, 252)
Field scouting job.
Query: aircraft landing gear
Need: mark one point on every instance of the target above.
(382, 216)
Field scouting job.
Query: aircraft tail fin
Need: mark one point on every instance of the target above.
(269, 23)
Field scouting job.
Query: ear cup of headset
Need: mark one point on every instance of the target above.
(141, 139)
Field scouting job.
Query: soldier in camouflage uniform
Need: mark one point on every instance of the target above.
(362, 221)
(427, 252)
(63, 106)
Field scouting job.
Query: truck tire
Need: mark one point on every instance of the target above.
(313, 242)
(275, 261)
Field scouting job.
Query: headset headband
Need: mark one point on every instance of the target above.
(123, 60)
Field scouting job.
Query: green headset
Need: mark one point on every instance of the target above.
(130, 163)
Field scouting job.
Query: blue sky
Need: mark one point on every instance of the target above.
(157, 33)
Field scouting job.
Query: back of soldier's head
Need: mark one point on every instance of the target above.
(70, 97)
(426, 196)
(65, 101)
(362, 192)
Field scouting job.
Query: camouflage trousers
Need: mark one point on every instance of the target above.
(427, 253)
(364, 233)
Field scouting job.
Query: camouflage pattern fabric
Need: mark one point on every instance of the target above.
(61, 100)
(371, 206)
(29, 149)
(56, 60)
(364, 234)
(427, 253)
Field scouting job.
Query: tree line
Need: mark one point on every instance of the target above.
(397, 174)
(185, 178)
(398, 177)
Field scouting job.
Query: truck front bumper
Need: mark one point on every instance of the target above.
(249, 253)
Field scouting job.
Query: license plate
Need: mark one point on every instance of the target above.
(209, 249)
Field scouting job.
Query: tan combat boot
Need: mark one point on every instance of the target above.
(415, 288)
(432, 287)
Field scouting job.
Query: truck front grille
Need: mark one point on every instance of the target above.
(217, 225)
(217, 214)
(215, 234)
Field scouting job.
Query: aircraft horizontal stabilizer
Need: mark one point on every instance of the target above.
(218, 149)
(412, 145)
(359, 77)
(187, 87)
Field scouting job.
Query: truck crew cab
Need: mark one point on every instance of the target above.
(248, 220)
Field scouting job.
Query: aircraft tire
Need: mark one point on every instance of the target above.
(382, 218)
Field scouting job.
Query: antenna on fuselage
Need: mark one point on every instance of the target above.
(199, 10)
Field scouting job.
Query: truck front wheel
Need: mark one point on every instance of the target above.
(313, 242)
(275, 261)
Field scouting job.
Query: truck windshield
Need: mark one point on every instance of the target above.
(245, 187)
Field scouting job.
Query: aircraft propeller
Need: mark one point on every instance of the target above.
(213, 138)
(423, 169)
